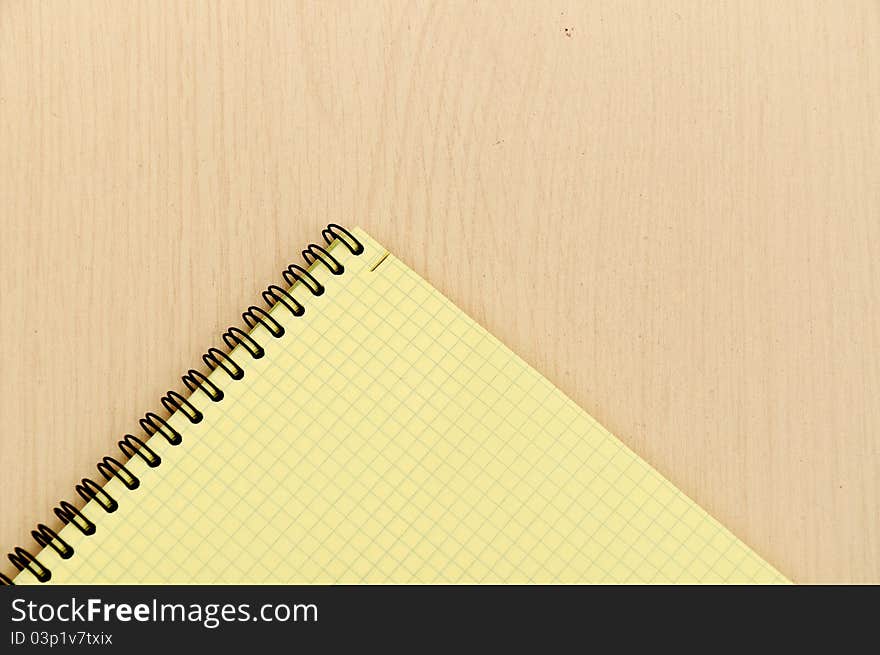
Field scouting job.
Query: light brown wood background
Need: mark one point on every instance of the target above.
(672, 209)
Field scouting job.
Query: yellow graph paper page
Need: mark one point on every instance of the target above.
(388, 438)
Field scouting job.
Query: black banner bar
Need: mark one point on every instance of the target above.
(149, 617)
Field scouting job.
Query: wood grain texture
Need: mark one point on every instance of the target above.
(671, 209)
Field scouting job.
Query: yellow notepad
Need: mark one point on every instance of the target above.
(385, 437)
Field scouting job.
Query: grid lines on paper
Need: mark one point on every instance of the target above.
(389, 438)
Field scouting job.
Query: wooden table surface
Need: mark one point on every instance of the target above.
(672, 209)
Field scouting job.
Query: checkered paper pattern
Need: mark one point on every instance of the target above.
(388, 438)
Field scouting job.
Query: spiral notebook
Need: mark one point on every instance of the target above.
(362, 429)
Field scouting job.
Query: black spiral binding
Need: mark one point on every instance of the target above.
(152, 423)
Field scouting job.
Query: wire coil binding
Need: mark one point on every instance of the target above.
(153, 424)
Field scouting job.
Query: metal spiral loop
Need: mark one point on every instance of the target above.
(173, 401)
(46, 536)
